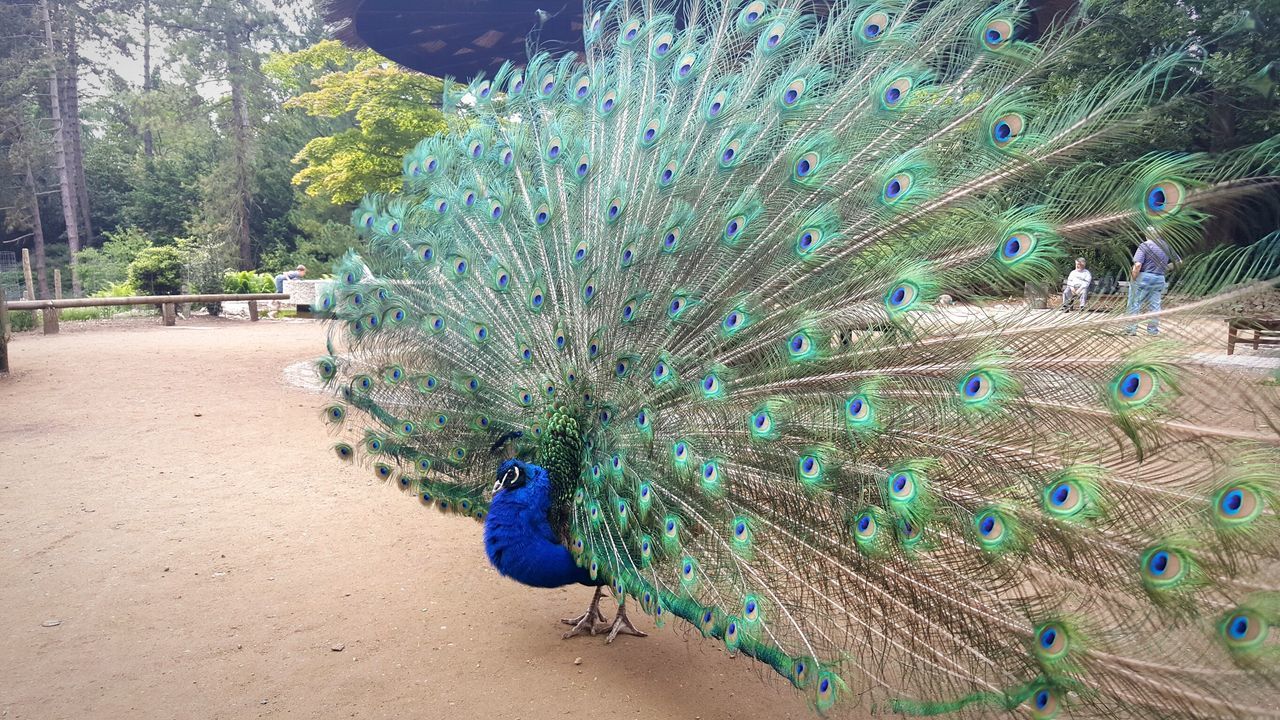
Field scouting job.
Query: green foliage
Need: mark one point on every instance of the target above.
(157, 271)
(322, 236)
(102, 267)
(120, 289)
(21, 321)
(386, 110)
(206, 259)
(247, 281)
(1229, 99)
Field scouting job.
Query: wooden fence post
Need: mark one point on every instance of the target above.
(253, 311)
(57, 283)
(30, 293)
(50, 317)
(4, 333)
(168, 311)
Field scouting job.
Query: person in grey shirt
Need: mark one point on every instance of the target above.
(295, 274)
(1147, 280)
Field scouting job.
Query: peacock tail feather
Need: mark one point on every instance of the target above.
(693, 272)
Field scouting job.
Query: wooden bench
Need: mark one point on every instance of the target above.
(1266, 331)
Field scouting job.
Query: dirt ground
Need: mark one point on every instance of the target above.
(176, 541)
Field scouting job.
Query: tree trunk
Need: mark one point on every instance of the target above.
(148, 146)
(71, 116)
(37, 232)
(242, 157)
(1222, 228)
(61, 146)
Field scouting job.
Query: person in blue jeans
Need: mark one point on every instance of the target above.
(1147, 281)
(295, 274)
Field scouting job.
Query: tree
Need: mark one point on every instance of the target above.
(219, 36)
(381, 111)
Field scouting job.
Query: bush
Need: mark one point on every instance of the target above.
(120, 289)
(22, 320)
(207, 259)
(247, 281)
(157, 271)
(108, 265)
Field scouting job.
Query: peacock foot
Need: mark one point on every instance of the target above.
(622, 624)
(585, 624)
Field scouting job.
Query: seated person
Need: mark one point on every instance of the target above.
(1077, 286)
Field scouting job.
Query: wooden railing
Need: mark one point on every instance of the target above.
(168, 309)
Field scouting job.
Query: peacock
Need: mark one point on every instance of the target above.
(666, 316)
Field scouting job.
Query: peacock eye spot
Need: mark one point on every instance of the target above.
(1130, 384)
(1048, 637)
(1158, 563)
(1232, 502)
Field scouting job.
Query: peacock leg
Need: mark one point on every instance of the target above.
(585, 624)
(622, 624)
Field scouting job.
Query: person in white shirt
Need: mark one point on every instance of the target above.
(1077, 286)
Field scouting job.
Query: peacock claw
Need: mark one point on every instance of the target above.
(585, 624)
(622, 624)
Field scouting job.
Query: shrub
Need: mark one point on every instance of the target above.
(120, 289)
(157, 271)
(247, 281)
(21, 320)
(108, 265)
(207, 259)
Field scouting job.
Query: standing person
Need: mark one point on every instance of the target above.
(1147, 278)
(1077, 286)
(295, 274)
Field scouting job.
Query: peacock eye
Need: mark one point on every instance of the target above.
(509, 479)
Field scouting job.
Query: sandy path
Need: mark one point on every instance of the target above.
(169, 499)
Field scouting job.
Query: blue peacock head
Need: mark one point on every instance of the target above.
(521, 483)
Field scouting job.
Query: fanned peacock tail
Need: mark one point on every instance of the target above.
(693, 271)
